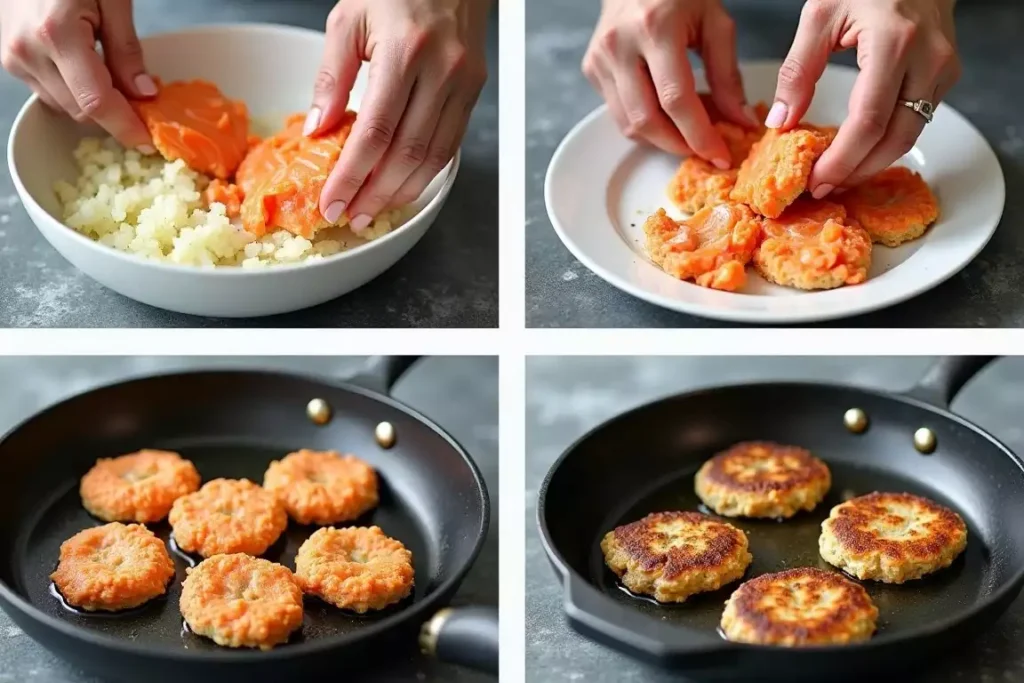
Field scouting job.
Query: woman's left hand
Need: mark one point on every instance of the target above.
(906, 50)
(427, 68)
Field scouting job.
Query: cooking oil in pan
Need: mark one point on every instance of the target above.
(103, 614)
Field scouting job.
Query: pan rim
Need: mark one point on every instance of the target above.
(570, 577)
(417, 612)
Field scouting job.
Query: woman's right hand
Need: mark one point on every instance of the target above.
(637, 60)
(50, 44)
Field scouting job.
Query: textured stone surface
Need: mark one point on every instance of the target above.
(449, 279)
(32, 383)
(566, 397)
(562, 292)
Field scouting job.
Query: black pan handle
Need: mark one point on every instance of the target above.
(466, 636)
(947, 377)
(381, 373)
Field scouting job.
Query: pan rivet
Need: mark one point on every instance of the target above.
(856, 420)
(318, 411)
(924, 440)
(385, 433)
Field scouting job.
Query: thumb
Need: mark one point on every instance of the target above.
(803, 67)
(122, 51)
(338, 70)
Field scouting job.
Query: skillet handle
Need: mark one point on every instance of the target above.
(381, 373)
(946, 378)
(466, 636)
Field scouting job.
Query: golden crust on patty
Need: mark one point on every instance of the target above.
(891, 537)
(762, 479)
(799, 607)
(672, 555)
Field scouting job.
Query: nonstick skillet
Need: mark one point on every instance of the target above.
(232, 424)
(644, 461)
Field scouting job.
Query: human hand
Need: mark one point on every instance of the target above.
(427, 68)
(637, 61)
(906, 50)
(51, 45)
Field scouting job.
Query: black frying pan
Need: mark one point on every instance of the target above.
(232, 424)
(645, 460)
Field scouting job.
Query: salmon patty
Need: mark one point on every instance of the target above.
(138, 487)
(241, 601)
(322, 487)
(776, 172)
(762, 479)
(673, 555)
(228, 516)
(891, 537)
(799, 607)
(112, 567)
(894, 206)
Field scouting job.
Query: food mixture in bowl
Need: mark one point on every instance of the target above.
(215, 195)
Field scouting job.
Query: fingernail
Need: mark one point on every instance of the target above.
(822, 190)
(312, 121)
(334, 211)
(145, 85)
(721, 164)
(146, 149)
(751, 115)
(360, 222)
(777, 115)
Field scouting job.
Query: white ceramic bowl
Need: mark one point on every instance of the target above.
(272, 69)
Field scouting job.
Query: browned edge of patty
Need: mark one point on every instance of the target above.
(810, 468)
(851, 516)
(636, 538)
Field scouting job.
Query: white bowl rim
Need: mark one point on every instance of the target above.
(220, 271)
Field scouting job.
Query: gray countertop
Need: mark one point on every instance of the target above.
(32, 383)
(562, 292)
(449, 279)
(568, 396)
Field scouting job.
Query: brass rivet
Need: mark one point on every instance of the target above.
(318, 411)
(385, 433)
(924, 440)
(856, 420)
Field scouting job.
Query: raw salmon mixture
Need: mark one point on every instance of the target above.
(139, 487)
(355, 568)
(798, 242)
(228, 516)
(241, 601)
(112, 567)
(215, 195)
(322, 487)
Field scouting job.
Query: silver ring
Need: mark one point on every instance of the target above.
(923, 107)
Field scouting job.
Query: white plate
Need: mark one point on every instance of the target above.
(271, 81)
(600, 187)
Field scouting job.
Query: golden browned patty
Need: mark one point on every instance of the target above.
(799, 607)
(891, 537)
(672, 555)
(762, 479)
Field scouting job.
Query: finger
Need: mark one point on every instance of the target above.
(719, 54)
(408, 151)
(91, 85)
(339, 68)
(371, 135)
(51, 80)
(802, 67)
(453, 121)
(665, 93)
(122, 50)
(42, 93)
(872, 105)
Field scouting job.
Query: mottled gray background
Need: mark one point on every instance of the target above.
(470, 415)
(566, 397)
(449, 279)
(561, 292)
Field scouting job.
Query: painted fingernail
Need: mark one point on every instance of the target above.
(146, 149)
(145, 85)
(360, 222)
(721, 164)
(777, 115)
(312, 121)
(822, 190)
(334, 211)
